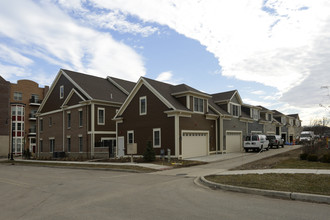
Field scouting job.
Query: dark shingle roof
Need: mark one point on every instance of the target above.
(277, 113)
(166, 90)
(97, 87)
(185, 88)
(127, 85)
(217, 107)
(223, 96)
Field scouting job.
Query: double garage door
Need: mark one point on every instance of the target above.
(233, 141)
(194, 144)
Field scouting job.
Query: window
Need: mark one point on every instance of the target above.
(20, 111)
(19, 126)
(100, 116)
(18, 96)
(269, 117)
(198, 105)
(41, 145)
(156, 137)
(283, 120)
(255, 114)
(143, 105)
(69, 143)
(235, 110)
(69, 120)
(80, 118)
(130, 137)
(80, 144)
(13, 110)
(51, 145)
(34, 98)
(19, 144)
(41, 124)
(13, 126)
(61, 92)
(50, 121)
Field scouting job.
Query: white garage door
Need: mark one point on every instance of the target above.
(233, 142)
(194, 144)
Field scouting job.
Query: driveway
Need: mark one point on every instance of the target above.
(221, 163)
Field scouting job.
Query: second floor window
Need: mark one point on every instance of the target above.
(18, 96)
(69, 120)
(100, 116)
(80, 118)
(198, 105)
(41, 125)
(255, 114)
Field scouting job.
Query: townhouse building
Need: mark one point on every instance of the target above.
(75, 119)
(92, 117)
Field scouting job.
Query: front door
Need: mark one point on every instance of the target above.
(121, 148)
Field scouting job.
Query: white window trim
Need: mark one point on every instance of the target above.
(141, 98)
(130, 132)
(98, 116)
(153, 137)
(198, 103)
(61, 94)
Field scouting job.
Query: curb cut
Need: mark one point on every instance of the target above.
(269, 193)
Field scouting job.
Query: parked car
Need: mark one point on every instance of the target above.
(275, 141)
(256, 142)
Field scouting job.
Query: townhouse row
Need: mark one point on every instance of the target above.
(92, 117)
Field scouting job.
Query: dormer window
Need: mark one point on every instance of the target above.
(198, 105)
(283, 120)
(235, 110)
(255, 114)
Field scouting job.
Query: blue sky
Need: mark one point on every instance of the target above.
(275, 53)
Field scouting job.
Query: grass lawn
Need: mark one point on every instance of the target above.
(304, 183)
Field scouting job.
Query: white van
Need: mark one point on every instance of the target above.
(256, 142)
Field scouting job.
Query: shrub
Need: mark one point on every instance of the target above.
(325, 158)
(303, 156)
(149, 155)
(312, 157)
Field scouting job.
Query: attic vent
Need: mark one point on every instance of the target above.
(110, 95)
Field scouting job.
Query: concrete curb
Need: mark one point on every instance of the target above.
(270, 193)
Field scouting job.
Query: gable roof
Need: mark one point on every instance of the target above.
(96, 87)
(226, 96)
(277, 113)
(263, 109)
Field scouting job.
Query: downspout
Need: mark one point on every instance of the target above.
(63, 130)
(176, 135)
(92, 129)
(221, 133)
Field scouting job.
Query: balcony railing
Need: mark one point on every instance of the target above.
(32, 116)
(32, 130)
(34, 101)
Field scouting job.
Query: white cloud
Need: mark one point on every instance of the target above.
(258, 92)
(167, 77)
(44, 31)
(250, 43)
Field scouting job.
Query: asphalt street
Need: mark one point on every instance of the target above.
(29, 192)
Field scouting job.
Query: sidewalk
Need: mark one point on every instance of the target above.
(290, 171)
(146, 165)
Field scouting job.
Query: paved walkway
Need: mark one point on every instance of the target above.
(147, 165)
(289, 171)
